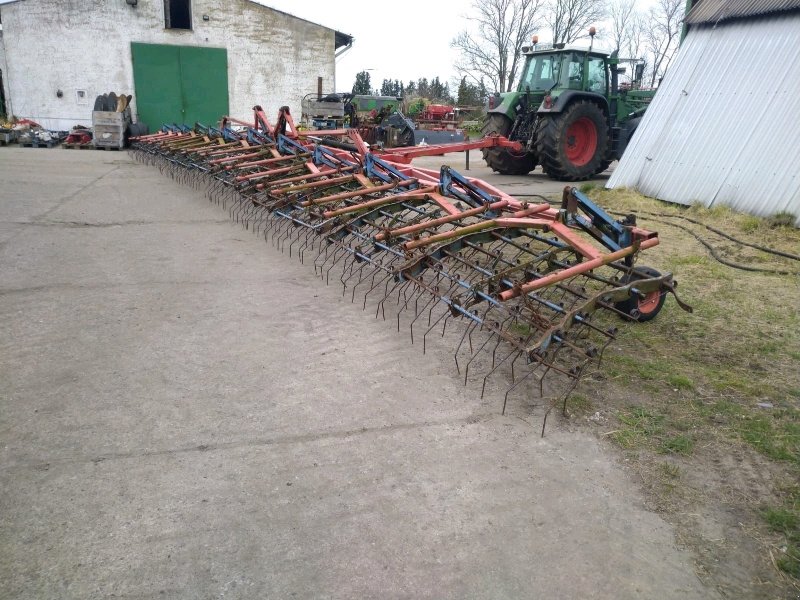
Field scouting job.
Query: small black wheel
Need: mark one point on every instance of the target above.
(641, 309)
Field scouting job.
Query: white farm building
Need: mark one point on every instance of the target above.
(183, 60)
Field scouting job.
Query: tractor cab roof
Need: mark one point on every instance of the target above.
(559, 48)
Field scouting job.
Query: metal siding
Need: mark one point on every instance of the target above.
(724, 125)
(713, 11)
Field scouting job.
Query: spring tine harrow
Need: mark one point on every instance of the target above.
(528, 294)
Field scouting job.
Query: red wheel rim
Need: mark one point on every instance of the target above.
(581, 142)
(649, 303)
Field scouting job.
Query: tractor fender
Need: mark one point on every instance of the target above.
(567, 97)
(508, 105)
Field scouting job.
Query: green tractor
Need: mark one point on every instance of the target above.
(568, 112)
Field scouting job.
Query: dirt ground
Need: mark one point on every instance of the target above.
(187, 412)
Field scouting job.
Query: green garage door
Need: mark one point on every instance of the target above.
(180, 84)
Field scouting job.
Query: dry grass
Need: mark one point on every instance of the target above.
(693, 386)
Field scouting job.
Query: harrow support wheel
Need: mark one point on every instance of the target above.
(573, 145)
(641, 309)
(503, 160)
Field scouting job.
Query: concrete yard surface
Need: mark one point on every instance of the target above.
(185, 412)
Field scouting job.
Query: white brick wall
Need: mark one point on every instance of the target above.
(273, 58)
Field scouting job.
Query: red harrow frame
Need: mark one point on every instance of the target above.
(511, 282)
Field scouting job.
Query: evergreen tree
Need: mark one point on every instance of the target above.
(362, 86)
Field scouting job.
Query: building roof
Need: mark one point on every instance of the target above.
(723, 126)
(713, 11)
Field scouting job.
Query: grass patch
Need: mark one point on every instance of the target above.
(785, 521)
(680, 444)
(688, 385)
(579, 403)
(680, 382)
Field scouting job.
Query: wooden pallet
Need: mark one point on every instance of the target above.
(51, 144)
(86, 146)
(107, 148)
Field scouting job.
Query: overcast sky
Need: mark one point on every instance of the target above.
(399, 40)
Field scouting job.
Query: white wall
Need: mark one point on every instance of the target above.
(273, 59)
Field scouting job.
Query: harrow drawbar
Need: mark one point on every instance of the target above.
(529, 294)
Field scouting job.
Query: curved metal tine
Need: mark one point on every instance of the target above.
(381, 308)
(575, 381)
(324, 251)
(474, 353)
(388, 275)
(280, 231)
(260, 217)
(271, 221)
(331, 250)
(417, 313)
(406, 292)
(241, 207)
(349, 265)
(247, 211)
(372, 270)
(470, 326)
(286, 235)
(514, 386)
(311, 238)
(444, 315)
(336, 259)
(498, 364)
(300, 233)
(282, 223)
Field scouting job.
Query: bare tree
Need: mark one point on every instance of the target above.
(493, 50)
(622, 16)
(663, 35)
(570, 19)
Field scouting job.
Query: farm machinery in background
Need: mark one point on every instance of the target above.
(528, 293)
(569, 112)
(377, 118)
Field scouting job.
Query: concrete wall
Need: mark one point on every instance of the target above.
(4, 70)
(273, 58)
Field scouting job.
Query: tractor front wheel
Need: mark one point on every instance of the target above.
(640, 309)
(573, 145)
(503, 160)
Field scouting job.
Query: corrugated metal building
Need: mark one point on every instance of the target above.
(724, 127)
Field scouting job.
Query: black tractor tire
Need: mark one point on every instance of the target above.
(501, 159)
(641, 309)
(573, 145)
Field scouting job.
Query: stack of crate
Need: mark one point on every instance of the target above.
(110, 127)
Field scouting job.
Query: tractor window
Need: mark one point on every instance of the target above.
(575, 72)
(542, 72)
(597, 75)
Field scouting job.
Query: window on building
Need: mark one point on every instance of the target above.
(178, 14)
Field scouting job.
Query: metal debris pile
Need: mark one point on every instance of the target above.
(529, 294)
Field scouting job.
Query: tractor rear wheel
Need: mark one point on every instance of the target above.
(503, 160)
(641, 309)
(573, 145)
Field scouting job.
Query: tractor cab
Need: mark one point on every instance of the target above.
(552, 72)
